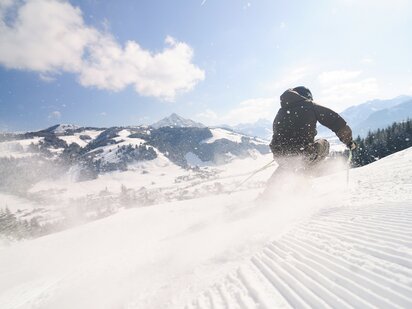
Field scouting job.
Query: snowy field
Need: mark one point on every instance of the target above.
(319, 243)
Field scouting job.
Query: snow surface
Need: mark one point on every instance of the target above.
(317, 244)
(16, 204)
(123, 139)
(18, 148)
(219, 133)
(258, 141)
(157, 173)
(75, 138)
(62, 128)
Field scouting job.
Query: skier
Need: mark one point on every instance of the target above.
(294, 129)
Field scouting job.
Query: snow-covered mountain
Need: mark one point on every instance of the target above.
(359, 113)
(49, 176)
(385, 117)
(96, 151)
(176, 121)
(375, 114)
(362, 118)
(118, 146)
(62, 128)
(318, 243)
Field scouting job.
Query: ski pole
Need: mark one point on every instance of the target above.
(253, 174)
(348, 167)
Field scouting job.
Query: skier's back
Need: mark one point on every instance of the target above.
(294, 127)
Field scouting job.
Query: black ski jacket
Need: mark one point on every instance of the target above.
(294, 127)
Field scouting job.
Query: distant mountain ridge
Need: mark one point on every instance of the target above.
(98, 150)
(176, 121)
(384, 117)
(361, 112)
(176, 139)
(62, 128)
(362, 118)
(374, 114)
(261, 128)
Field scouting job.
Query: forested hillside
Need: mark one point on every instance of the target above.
(383, 142)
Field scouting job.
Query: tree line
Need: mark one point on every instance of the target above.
(383, 142)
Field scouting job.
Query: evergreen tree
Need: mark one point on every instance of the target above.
(383, 142)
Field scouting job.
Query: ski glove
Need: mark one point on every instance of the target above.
(352, 145)
(345, 135)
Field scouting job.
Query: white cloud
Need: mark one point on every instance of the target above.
(247, 111)
(208, 116)
(367, 60)
(247, 5)
(252, 110)
(161, 75)
(289, 79)
(337, 89)
(45, 36)
(46, 77)
(282, 25)
(55, 115)
(343, 88)
(50, 36)
(5, 3)
(338, 76)
(380, 4)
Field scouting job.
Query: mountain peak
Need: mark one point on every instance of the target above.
(61, 128)
(174, 120)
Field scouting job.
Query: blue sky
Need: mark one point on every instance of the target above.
(104, 63)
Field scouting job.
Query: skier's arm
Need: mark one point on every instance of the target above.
(273, 143)
(334, 122)
(345, 135)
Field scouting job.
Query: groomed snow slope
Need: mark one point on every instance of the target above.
(346, 258)
(326, 246)
(354, 254)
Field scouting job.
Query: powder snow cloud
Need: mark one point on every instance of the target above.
(51, 37)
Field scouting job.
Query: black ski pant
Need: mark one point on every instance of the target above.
(298, 165)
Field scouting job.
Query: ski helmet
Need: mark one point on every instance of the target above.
(304, 92)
